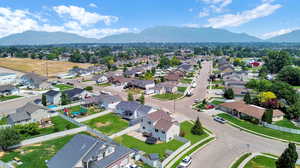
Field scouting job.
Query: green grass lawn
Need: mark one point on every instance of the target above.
(5, 98)
(104, 84)
(132, 142)
(216, 102)
(261, 162)
(260, 129)
(181, 89)
(240, 160)
(286, 123)
(167, 96)
(186, 81)
(90, 110)
(3, 121)
(60, 124)
(35, 155)
(186, 127)
(218, 82)
(217, 87)
(108, 124)
(63, 87)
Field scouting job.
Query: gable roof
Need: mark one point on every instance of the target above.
(73, 92)
(157, 115)
(38, 79)
(30, 108)
(163, 125)
(52, 93)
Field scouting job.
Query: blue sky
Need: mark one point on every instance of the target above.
(99, 18)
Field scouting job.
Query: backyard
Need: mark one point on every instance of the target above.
(36, 154)
(186, 80)
(5, 98)
(108, 124)
(167, 96)
(257, 129)
(80, 111)
(160, 148)
(63, 87)
(59, 124)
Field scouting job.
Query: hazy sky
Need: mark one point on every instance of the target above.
(99, 18)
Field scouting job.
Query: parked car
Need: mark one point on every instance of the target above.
(186, 162)
(197, 101)
(220, 120)
(194, 85)
(189, 93)
(133, 166)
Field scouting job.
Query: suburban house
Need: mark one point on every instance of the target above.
(240, 91)
(172, 76)
(141, 84)
(100, 79)
(84, 151)
(132, 110)
(80, 71)
(30, 112)
(105, 101)
(9, 90)
(135, 72)
(186, 67)
(241, 109)
(236, 84)
(160, 125)
(76, 94)
(119, 80)
(226, 68)
(53, 97)
(165, 87)
(35, 81)
(7, 78)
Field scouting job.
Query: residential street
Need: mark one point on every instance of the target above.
(230, 143)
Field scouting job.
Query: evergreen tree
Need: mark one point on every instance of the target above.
(247, 98)
(268, 116)
(228, 93)
(130, 97)
(65, 99)
(142, 98)
(8, 137)
(44, 100)
(288, 158)
(197, 128)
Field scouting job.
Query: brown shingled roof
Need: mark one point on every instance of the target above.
(163, 125)
(250, 110)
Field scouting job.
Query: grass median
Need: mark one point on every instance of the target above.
(167, 96)
(266, 132)
(261, 161)
(240, 160)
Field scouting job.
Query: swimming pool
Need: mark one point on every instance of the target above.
(52, 106)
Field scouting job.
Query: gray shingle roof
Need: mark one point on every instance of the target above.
(128, 105)
(37, 79)
(19, 117)
(30, 108)
(52, 93)
(73, 92)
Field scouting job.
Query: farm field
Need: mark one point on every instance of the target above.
(38, 66)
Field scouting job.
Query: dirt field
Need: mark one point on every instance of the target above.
(38, 66)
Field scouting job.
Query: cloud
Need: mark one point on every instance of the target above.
(92, 5)
(191, 25)
(204, 13)
(82, 16)
(234, 20)
(217, 6)
(14, 21)
(278, 32)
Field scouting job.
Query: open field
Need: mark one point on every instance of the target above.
(39, 66)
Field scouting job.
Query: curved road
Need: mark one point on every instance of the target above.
(230, 142)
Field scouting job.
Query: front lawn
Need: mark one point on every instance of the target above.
(261, 162)
(132, 142)
(216, 102)
(108, 124)
(186, 128)
(181, 89)
(260, 129)
(5, 98)
(63, 87)
(186, 81)
(240, 160)
(167, 96)
(36, 154)
(218, 82)
(104, 84)
(287, 124)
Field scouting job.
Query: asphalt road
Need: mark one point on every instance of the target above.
(230, 143)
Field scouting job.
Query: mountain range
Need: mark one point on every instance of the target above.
(155, 34)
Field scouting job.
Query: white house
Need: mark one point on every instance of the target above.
(105, 101)
(100, 79)
(132, 110)
(53, 97)
(7, 78)
(160, 125)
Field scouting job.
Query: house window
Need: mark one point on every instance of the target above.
(143, 127)
(163, 132)
(149, 122)
(156, 130)
(142, 120)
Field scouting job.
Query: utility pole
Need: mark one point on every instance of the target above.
(47, 68)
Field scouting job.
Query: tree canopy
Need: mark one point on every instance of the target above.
(276, 60)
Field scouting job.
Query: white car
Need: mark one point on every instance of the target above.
(194, 85)
(185, 162)
(220, 120)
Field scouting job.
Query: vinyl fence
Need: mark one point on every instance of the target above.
(283, 129)
(49, 137)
